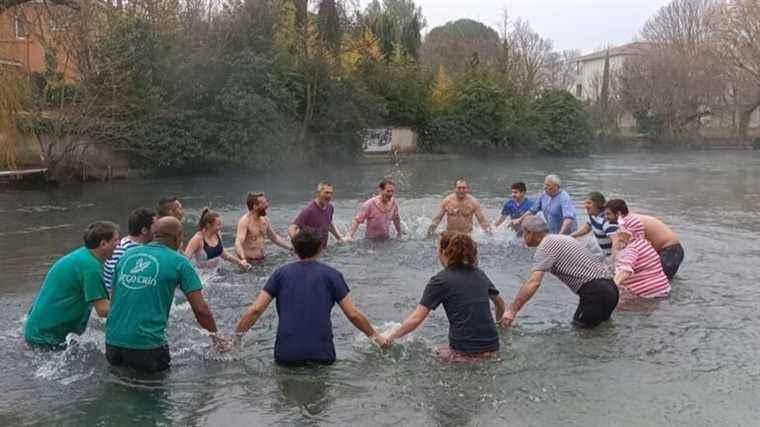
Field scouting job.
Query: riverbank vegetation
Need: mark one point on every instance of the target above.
(199, 85)
(203, 84)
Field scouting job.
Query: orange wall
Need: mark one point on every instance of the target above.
(29, 51)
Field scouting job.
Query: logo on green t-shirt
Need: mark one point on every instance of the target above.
(139, 272)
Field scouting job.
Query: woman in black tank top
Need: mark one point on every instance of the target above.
(206, 245)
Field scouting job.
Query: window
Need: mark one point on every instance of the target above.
(578, 91)
(20, 27)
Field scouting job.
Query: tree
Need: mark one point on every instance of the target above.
(455, 44)
(679, 80)
(397, 24)
(737, 24)
(563, 124)
(531, 52)
(560, 69)
(443, 96)
(12, 95)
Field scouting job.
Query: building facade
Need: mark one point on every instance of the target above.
(26, 32)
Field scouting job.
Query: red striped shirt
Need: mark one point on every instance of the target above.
(647, 279)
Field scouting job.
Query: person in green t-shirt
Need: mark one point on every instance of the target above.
(143, 289)
(71, 288)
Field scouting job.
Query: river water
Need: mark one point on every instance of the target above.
(689, 360)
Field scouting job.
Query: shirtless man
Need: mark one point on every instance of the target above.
(254, 227)
(664, 240)
(459, 208)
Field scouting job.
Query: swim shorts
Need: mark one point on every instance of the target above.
(671, 258)
(598, 299)
(151, 361)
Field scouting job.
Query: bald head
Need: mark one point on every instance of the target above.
(168, 231)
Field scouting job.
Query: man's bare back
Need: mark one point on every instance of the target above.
(658, 234)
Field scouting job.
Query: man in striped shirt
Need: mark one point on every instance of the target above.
(138, 225)
(662, 238)
(569, 261)
(597, 222)
(637, 266)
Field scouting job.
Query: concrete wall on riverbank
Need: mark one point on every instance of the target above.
(389, 140)
(68, 158)
(82, 159)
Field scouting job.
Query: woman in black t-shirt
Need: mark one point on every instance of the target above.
(465, 292)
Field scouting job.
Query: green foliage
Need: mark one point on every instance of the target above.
(261, 82)
(649, 124)
(488, 116)
(563, 124)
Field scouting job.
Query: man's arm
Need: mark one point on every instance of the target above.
(500, 221)
(102, 307)
(353, 229)
(277, 239)
(253, 312)
(484, 224)
(437, 219)
(498, 302)
(621, 276)
(581, 231)
(397, 224)
(523, 296)
(411, 323)
(567, 225)
(568, 215)
(360, 321)
(240, 236)
(202, 311)
(334, 231)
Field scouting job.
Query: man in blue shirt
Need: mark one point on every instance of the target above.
(515, 207)
(556, 206)
(306, 292)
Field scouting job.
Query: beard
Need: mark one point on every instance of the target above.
(261, 212)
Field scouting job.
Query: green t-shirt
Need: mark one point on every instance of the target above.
(63, 304)
(143, 289)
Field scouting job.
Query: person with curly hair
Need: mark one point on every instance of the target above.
(466, 293)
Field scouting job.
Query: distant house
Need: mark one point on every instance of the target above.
(590, 75)
(25, 31)
(590, 68)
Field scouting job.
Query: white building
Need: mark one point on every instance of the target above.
(590, 68)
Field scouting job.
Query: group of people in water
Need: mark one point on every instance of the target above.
(131, 281)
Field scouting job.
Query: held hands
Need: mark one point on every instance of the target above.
(244, 264)
(221, 344)
(383, 342)
(507, 319)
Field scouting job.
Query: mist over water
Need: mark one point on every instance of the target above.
(692, 359)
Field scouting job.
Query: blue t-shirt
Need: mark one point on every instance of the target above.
(305, 293)
(555, 210)
(513, 210)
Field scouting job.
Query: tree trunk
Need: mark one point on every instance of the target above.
(745, 115)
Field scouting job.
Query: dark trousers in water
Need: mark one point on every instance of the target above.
(598, 300)
(151, 361)
(671, 258)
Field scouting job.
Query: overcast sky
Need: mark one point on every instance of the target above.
(570, 24)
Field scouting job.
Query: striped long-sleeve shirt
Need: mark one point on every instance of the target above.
(567, 259)
(647, 279)
(109, 268)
